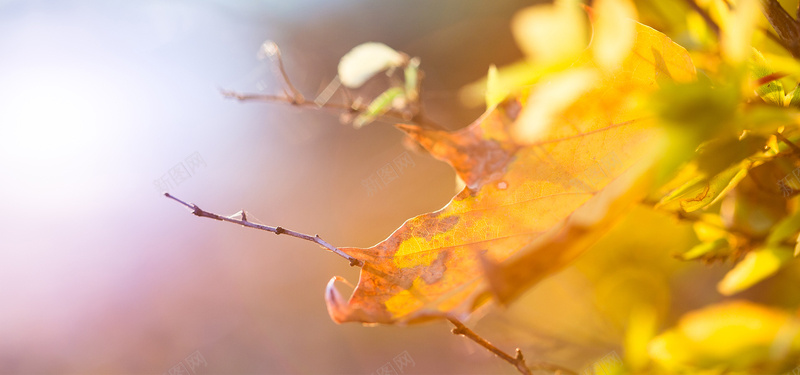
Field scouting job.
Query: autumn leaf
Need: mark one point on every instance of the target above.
(756, 266)
(541, 186)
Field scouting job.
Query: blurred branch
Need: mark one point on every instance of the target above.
(771, 35)
(392, 116)
(286, 99)
(271, 50)
(787, 28)
(706, 17)
(413, 113)
(792, 145)
(197, 211)
(517, 361)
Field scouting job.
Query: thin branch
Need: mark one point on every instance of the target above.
(271, 50)
(197, 211)
(517, 361)
(706, 17)
(775, 38)
(460, 329)
(392, 115)
(285, 99)
(792, 145)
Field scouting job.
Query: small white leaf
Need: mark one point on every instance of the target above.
(366, 60)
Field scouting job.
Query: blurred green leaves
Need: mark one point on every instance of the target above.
(735, 337)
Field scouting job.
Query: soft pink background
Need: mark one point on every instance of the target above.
(100, 274)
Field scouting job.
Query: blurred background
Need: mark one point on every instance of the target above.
(104, 102)
(104, 105)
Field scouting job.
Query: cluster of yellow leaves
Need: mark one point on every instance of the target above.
(606, 113)
(734, 336)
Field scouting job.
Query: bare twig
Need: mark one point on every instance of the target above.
(271, 50)
(285, 99)
(460, 329)
(517, 361)
(197, 211)
(392, 115)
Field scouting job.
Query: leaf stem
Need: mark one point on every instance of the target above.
(197, 211)
(517, 360)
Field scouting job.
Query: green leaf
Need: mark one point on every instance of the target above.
(757, 265)
(784, 229)
(379, 106)
(733, 337)
(494, 92)
(797, 248)
(411, 75)
(721, 154)
(709, 228)
(765, 120)
(509, 79)
(717, 188)
(795, 102)
(772, 92)
(700, 192)
(706, 250)
(697, 110)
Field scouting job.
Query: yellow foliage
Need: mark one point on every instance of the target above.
(736, 335)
